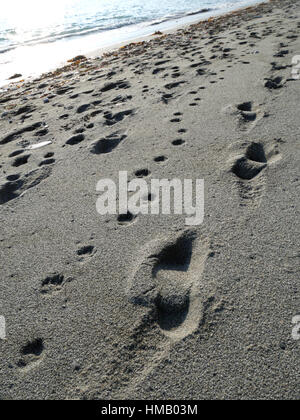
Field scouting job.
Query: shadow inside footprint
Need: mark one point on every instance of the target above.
(22, 160)
(126, 219)
(16, 153)
(107, 144)
(31, 353)
(34, 347)
(245, 106)
(173, 300)
(250, 165)
(142, 173)
(247, 112)
(160, 159)
(246, 170)
(85, 251)
(53, 282)
(16, 185)
(172, 310)
(178, 142)
(175, 256)
(78, 138)
(275, 83)
(8, 191)
(256, 153)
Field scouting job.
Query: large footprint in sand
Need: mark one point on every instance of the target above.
(249, 169)
(168, 280)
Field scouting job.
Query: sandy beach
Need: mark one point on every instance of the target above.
(146, 307)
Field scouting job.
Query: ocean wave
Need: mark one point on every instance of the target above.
(198, 12)
(181, 15)
(108, 19)
(72, 32)
(5, 50)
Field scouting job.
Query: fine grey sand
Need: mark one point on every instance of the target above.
(101, 307)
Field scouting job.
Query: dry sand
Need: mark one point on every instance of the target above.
(146, 308)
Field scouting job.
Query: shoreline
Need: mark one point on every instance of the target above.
(168, 27)
(174, 27)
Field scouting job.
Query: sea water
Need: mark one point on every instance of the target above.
(39, 35)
